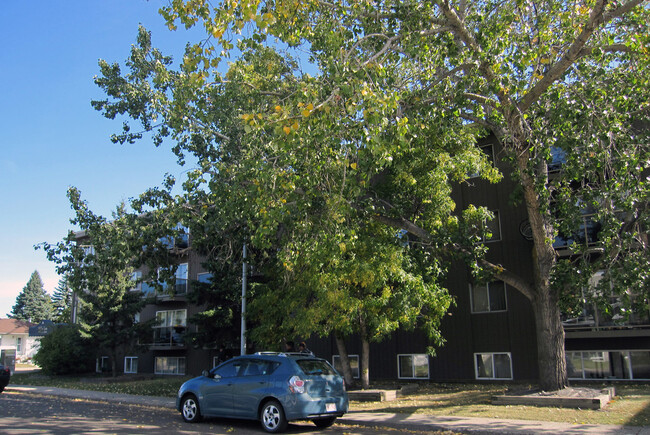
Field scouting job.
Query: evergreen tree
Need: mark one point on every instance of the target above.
(62, 302)
(33, 304)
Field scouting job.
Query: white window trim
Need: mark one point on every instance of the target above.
(413, 366)
(178, 358)
(476, 376)
(487, 286)
(352, 356)
(130, 358)
(99, 363)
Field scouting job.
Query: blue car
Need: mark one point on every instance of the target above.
(274, 388)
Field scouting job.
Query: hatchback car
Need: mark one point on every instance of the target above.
(5, 375)
(274, 388)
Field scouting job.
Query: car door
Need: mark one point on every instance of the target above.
(217, 391)
(250, 386)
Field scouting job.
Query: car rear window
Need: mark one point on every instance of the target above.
(314, 367)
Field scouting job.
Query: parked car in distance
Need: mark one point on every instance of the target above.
(5, 375)
(274, 388)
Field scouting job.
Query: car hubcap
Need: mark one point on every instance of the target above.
(271, 417)
(189, 409)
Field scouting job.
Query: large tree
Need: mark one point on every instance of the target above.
(389, 122)
(62, 300)
(33, 303)
(98, 260)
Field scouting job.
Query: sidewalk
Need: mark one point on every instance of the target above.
(419, 422)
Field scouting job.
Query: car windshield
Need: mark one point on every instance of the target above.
(312, 367)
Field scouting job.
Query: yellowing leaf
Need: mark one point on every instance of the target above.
(278, 108)
(306, 113)
(310, 107)
(287, 129)
(353, 166)
(295, 125)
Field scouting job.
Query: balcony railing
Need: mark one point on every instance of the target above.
(178, 288)
(169, 336)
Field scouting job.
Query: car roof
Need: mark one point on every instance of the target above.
(279, 356)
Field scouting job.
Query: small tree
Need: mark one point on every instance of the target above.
(62, 302)
(33, 304)
(64, 351)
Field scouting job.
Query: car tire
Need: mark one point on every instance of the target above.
(190, 409)
(272, 417)
(323, 423)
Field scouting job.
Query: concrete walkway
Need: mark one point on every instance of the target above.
(419, 422)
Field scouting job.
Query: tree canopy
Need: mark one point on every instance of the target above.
(373, 141)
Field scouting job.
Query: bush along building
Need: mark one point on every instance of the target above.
(489, 332)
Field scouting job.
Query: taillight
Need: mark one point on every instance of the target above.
(296, 385)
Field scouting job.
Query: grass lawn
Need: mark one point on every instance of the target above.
(630, 407)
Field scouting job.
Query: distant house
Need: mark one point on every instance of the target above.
(14, 335)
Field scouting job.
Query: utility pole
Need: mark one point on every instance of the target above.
(243, 305)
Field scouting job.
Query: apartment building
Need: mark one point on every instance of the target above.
(490, 332)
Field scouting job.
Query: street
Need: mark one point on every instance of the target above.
(24, 413)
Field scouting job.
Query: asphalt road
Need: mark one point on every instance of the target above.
(25, 413)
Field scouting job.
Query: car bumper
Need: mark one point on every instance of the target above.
(302, 406)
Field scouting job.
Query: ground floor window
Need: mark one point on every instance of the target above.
(102, 364)
(619, 364)
(170, 365)
(130, 364)
(493, 365)
(354, 364)
(414, 366)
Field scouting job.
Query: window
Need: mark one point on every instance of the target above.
(354, 364)
(493, 366)
(487, 298)
(19, 345)
(205, 278)
(170, 365)
(588, 365)
(180, 240)
(558, 159)
(230, 369)
(493, 227)
(136, 277)
(413, 366)
(130, 364)
(101, 364)
(170, 328)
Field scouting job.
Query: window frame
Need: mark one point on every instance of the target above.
(356, 371)
(413, 365)
(472, 286)
(177, 372)
(131, 359)
(493, 377)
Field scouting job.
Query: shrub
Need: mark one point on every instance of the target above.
(64, 351)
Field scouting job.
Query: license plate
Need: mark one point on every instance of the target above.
(330, 407)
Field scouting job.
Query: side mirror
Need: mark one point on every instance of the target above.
(205, 373)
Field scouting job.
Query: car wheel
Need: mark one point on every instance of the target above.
(323, 423)
(190, 409)
(272, 417)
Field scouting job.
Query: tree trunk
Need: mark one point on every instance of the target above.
(365, 357)
(550, 341)
(345, 361)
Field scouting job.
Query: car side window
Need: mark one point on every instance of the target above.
(259, 368)
(229, 370)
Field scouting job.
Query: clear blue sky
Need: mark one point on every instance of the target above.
(51, 138)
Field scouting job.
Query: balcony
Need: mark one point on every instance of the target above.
(177, 291)
(168, 337)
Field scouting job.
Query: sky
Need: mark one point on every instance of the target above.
(50, 136)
